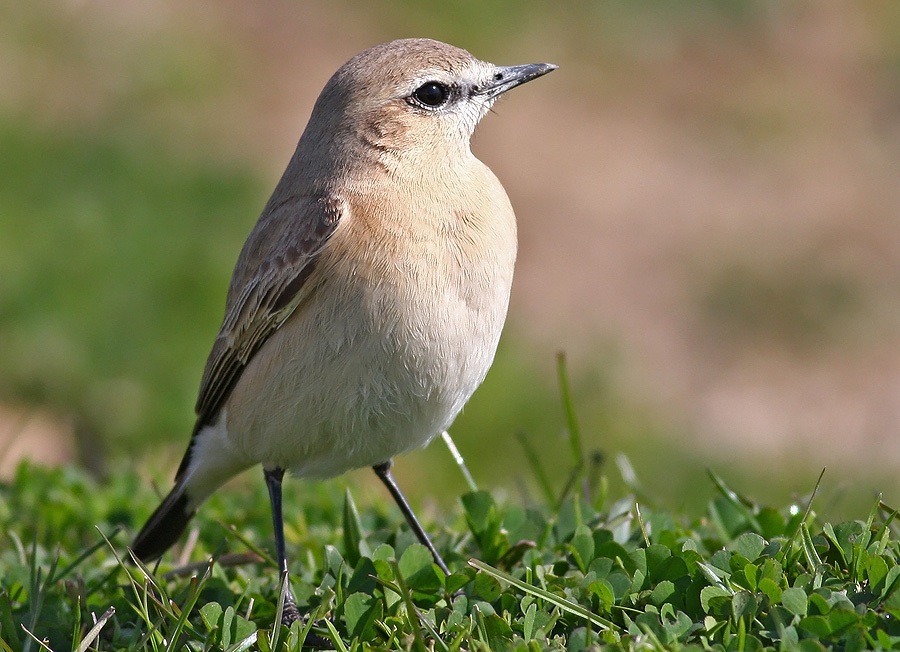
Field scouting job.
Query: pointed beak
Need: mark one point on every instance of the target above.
(507, 77)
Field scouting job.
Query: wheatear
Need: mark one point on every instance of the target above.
(366, 305)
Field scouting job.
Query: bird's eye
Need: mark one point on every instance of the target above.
(432, 94)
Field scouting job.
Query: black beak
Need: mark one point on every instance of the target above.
(507, 77)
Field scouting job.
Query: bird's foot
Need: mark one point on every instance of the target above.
(291, 614)
(316, 642)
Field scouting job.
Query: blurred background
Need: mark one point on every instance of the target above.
(708, 203)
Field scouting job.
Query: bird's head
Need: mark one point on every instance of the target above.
(412, 95)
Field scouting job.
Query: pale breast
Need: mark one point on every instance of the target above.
(400, 331)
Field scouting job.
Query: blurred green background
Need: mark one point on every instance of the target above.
(709, 213)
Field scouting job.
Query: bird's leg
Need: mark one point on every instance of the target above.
(273, 483)
(383, 471)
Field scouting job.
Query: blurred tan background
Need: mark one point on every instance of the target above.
(708, 197)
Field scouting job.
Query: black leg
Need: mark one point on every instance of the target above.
(273, 483)
(383, 471)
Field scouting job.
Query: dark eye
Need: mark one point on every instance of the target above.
(432, 94)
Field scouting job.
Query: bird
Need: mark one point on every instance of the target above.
(366, 305)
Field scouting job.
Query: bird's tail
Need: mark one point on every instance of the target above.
(164, 526)
(208, 463)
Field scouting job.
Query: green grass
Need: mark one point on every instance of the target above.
(579, 567)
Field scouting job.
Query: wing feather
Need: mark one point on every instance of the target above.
(268, 284)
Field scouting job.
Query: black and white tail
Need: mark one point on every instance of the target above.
(164, 526)
(209, 462)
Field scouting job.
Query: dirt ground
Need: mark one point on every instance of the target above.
(720, 205)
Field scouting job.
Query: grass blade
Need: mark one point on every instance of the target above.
(790, 544)
(335, 637)
(87, 553)
(562, 603)
(460, 462)
(252, 546)
(91, 636)
(569, 408)
(36, 640)
(745, 506)
(411, 612)
(534, 461)
(40, 588)
(352, 529)
(809, 548)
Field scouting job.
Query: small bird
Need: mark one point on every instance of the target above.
(366, 304)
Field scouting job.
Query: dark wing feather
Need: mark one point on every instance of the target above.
(268, 284)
